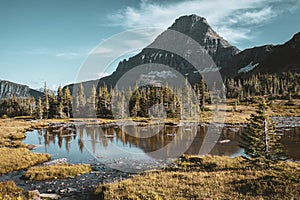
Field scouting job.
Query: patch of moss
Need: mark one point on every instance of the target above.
(13, 159)
(18, 136)
(41, 173)
(9, 190)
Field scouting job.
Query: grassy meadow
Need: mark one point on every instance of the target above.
(209, 177)
(193, 177)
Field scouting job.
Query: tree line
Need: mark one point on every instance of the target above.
(275, 86)
(148, 101)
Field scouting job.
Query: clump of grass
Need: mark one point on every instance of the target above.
(12, 131)
(208, 177)
(172, 185)
(281, 182)
(13, 159)
(41, 173)
(207, 163)
(18, 136)
(9, 190)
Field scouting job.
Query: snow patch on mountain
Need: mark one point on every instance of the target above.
(248, 68)
(163, 74)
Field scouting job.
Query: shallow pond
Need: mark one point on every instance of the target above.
(116, 149)
(130, 148)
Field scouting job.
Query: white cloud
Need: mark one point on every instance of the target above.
(231, 19)
(234, 35)
(69, 55)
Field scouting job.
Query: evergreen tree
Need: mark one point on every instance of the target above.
(59, 103)
(104, 103)
(202, 94)
(59, 94)
(135, 107)
(261, 144)
(46, 102)
(53, 106)
(40, 109)
(67, 102)
(80, 101)
(91, 103)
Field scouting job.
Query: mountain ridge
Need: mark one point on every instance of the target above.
(231, 61)
(9, 89)
(267, 58)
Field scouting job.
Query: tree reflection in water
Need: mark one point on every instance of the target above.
(187, 137)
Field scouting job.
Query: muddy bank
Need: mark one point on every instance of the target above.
(81, 187)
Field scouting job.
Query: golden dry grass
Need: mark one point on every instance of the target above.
(9, 191)
(12, 131)
(41, 173)
(211, 177)
(13, 159)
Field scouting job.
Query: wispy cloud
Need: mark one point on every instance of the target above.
(231, 19)
(71, 55)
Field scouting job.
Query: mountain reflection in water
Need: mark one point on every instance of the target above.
(155, 141)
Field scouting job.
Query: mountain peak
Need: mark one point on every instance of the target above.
(191, 23)
(192, 20)
(198, 28)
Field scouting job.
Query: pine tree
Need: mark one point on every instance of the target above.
(59, 102)
(261, 144)
(104, 103)
(135, 107)
(53, 106)
(46, 102)
(40, 109)
(67, 102)
(93, 98)
(202, 94)
(80, 101)
(59, 94)
(91, 103)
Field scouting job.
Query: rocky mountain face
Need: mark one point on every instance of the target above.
(265, 59)
(10, 89)
(193, 26)
(227, 58)
(197, 28)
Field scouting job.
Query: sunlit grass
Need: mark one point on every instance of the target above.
(210, 177)
(41, 173)
(13, 159)
(9, 191)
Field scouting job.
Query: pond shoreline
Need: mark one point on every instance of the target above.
(82, 186)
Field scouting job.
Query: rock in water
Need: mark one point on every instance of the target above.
(49, 196)
(57, 161)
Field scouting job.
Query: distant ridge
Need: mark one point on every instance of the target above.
(10, 89)
(273, 59)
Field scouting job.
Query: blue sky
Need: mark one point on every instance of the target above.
(50, 40)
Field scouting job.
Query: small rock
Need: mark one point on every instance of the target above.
(31, 146)
(49, 196)
(57, 161)
(72, 190)
(224, 141)
(63, 190)
(34, 194)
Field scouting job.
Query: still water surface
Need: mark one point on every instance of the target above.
(125, 145)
